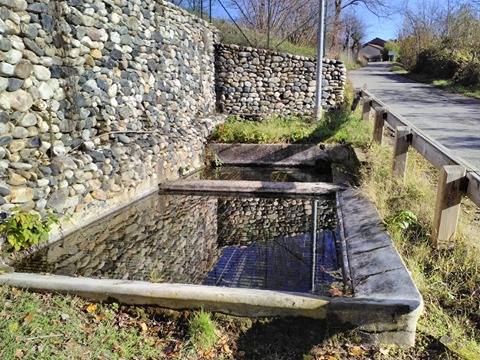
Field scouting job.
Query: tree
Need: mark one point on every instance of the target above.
(294, 19)
(377, 7)
(353, 33)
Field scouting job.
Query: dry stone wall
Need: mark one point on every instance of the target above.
(100, 99)
(254, 81)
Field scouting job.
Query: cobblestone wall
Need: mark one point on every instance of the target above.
(98, 99)
(254, 81)
(244, 220)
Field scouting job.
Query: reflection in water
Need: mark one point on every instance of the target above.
(249, 242)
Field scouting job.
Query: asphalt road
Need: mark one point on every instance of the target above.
(452, 120)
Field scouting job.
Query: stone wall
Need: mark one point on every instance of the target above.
(100, 100)
(255, 81)
(244, 220)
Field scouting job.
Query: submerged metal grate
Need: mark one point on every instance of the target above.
(285, 264)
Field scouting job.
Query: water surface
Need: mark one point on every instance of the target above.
(241, 241)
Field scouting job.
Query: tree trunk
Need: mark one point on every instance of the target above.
(336, 28)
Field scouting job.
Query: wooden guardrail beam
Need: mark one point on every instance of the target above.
(400, 151)
(431, 151)
(473, 187)
(447, 208)
(457, 177)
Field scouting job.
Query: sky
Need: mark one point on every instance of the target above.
(384, 27)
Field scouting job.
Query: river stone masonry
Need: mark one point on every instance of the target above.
(100, 100)
(259, 82)
(245, 220)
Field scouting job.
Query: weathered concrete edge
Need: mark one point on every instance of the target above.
(382, 313)
(376, 268)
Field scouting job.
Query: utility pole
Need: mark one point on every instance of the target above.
(269, 14)
(320, 50)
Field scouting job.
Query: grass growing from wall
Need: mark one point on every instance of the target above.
(229, 34)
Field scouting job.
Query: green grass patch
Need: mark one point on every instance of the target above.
(60, 327)
(334, 127)
(275, 129)
(202, 331)
(339, 125)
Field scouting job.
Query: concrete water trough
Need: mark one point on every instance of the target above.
(250, 249)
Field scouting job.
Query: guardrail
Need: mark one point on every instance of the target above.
(457, 178)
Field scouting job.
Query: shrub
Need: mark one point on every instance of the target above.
(438, 63)
(24, 229)
(468, 74)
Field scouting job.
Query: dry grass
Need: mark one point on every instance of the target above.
(449, 280)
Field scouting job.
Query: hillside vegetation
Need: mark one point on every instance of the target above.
(438, 44)
(229, 34)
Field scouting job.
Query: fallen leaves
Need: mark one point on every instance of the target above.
(91, 308)
(28, 318)
(335, 290)
(18, 354)
(357, 351)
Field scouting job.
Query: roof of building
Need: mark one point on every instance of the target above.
(377, 42)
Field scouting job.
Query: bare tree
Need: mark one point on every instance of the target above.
(353, 32)
(377, 7)
(291, 18)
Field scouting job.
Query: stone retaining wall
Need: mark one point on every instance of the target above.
(99, 100)
(244, 220)
(254, 81)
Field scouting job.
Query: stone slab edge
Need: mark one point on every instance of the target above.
(269, 154)
(249, 187)
(241, 302)
(376, 268)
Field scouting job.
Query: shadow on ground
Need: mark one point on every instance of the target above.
(284, 338)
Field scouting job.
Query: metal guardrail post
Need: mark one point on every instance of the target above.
(314, 243)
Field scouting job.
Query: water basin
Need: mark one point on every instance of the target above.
(227, 241)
